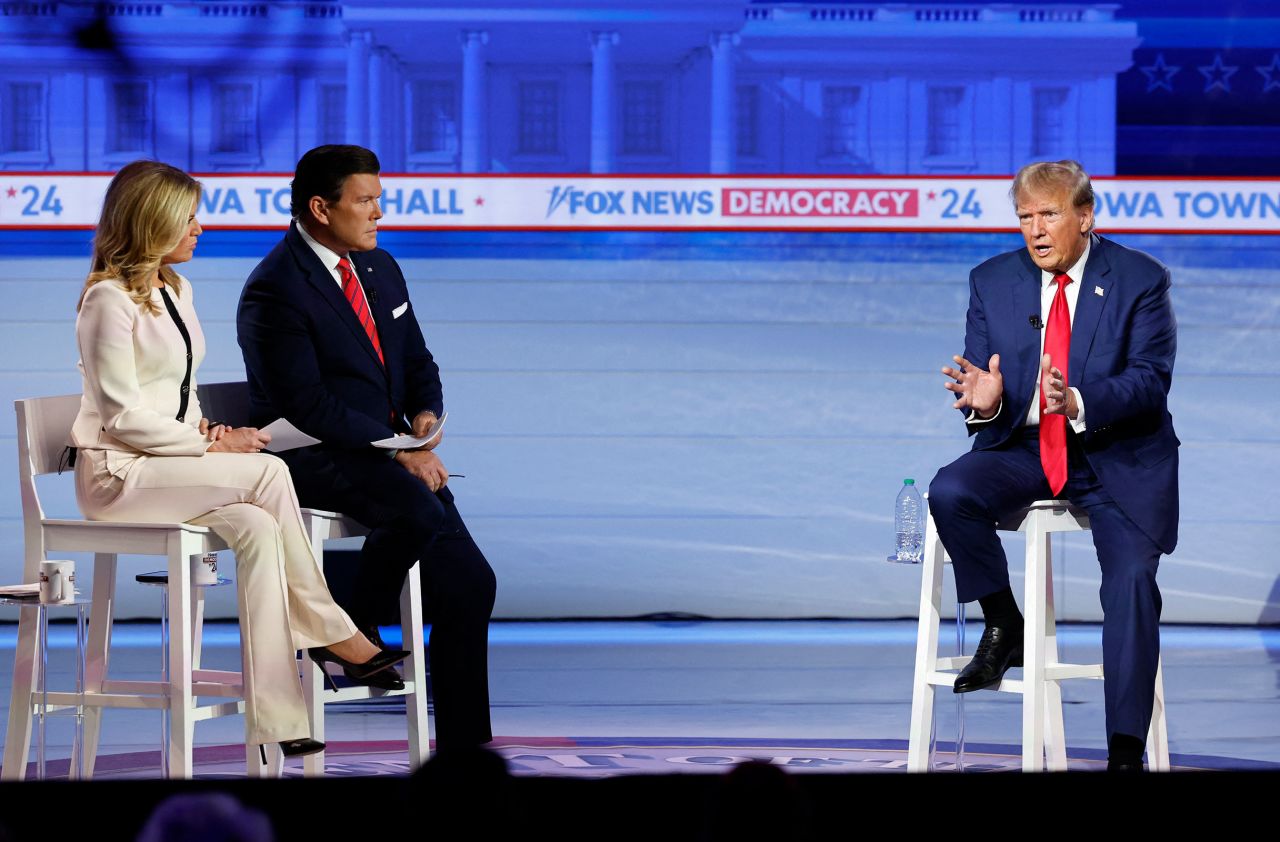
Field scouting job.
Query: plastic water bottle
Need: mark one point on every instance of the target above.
(908, 522)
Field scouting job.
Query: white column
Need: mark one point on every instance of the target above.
(399, 112)
(379, 118)
(358, 44)
(602, 98)
(474, 110)
(724, 137)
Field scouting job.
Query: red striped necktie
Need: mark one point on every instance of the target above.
(1053, 428)
(355, 295)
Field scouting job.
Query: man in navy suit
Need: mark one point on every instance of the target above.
(331, 342)
(1069, 349)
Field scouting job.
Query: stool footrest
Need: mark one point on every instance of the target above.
(948, 679)
(1054, 672)
(1059, 672)
(161, 689)
(358, 692)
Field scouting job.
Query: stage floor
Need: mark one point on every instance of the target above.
(609, 698)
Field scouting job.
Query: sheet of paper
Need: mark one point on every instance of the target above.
(285, 436)
(407, 442)
(20, 591)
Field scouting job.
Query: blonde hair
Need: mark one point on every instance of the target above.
(1044, 176)
(144, 217)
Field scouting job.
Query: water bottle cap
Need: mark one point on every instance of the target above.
(908, 482)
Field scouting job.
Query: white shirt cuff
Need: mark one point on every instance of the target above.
(1077, 423)
(974, 419)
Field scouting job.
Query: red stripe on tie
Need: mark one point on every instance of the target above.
(355, 297)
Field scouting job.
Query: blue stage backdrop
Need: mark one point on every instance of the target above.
(711, 423)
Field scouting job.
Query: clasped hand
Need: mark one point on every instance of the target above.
(228, 439)
(421, 462)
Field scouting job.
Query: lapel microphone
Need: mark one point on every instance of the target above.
(1035, 321)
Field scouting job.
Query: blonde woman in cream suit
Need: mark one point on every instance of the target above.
(143, 456)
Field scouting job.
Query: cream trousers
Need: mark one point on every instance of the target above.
(249, 501)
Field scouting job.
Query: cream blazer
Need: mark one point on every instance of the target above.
(131, 365)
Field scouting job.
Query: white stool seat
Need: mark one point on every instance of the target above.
(1043, 740)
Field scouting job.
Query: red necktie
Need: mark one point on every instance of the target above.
(351, 289)
(1053, 428)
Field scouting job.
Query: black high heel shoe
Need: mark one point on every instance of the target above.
(385, 680)
(293, 748)
(385, 659)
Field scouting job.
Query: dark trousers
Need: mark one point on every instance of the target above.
(971, 494)
(409, 523)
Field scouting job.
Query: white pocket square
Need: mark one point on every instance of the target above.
(399, 311)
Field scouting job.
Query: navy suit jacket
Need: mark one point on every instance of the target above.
(1123, 341)
(309, 360)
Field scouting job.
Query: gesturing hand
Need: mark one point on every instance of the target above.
(426, 466)
(241, 440)
(1058, 399)
(974, 388)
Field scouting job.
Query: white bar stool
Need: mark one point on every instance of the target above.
(1043, 741)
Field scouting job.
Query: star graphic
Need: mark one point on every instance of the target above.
(479, 200)
(12, 191)
(931, 195)
(1160, 75)
(1270, 72)
(1216, 75)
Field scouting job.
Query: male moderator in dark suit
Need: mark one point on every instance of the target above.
(1120, 460)
(331, 342)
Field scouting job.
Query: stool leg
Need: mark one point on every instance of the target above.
(76, 771)
(17, 745)
(313, 694)
(197, 624)
(182, 719)
(960, 621)
(415, 707)
(1158, 733)
(1033, 647)
(42, 691)
(255, 768)
(164, 678)
(922, 691)
(98, 653)
(1055, 740)
(313, 677)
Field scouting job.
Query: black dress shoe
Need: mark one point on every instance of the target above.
(293, 748)
(998, 650)
(1125, 767)
(299, 747)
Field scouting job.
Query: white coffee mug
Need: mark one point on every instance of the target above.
(204, 569)
(57, 581)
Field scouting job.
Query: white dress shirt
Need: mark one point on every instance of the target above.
(330, 259)
(1048, 290)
